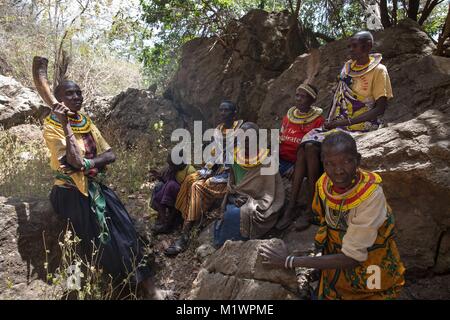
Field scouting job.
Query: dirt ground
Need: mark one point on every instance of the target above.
(175, 274)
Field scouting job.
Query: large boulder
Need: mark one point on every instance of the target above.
(255, 69)
(26, 133)
(235, 271)
(29, 228)
(18, 103)
(134, 114)
(98, 108)
(256, 48)
(412, 158)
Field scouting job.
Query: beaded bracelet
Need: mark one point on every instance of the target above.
(87, 164)
(288, 262)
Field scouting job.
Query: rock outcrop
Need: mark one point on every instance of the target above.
(28, 228)
(134, 113)
(18, 103)
(412, 158)
(419, 80)
(237, 269)
(227, 275)
(25, 133)
(411, 152)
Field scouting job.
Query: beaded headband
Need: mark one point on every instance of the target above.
(309, 90)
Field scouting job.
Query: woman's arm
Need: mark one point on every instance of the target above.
(277, 257)
(73, 154)
(329, 261)
(378, 110)
(104, 159)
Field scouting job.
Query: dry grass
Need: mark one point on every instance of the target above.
(93, 66)
(83, 279)
(24, 168)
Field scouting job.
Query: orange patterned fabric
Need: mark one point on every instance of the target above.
(368, 183)
(381, 254)
(197, 195)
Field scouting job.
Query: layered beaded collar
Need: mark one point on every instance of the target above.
(297, 117)
(353, 70)
(79, 124)
(366, 184)
(236, 125)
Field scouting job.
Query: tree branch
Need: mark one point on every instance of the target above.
(444, 34)
(297, 8)
(291, 6)
(428, 9)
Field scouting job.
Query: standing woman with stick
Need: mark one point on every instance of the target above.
(79, 155)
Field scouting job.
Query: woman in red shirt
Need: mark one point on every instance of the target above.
(300, 159)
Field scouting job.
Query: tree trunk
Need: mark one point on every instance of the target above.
(394, 12)
(384, 12)
(296, 42)
(413, 9)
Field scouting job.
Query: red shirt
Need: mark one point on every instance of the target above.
(292, 134)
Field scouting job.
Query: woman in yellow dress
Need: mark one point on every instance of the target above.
(79, 155)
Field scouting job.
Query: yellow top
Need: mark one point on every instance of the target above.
(373, 84)
(56, 143)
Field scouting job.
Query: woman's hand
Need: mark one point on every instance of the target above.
(61, 111)
(335, 124)
(328, 125)
(274, 256)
